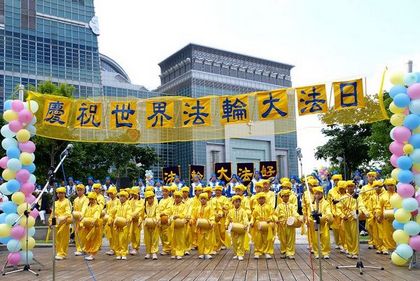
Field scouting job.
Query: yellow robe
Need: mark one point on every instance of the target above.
(386, 228)
(151, 234)
(79, 205)
(188, 232)
(222, 204)
(92, 236)
(122, 239)
(178, 235)
(240, 242)
(110, 233)
(375, 224)
(346, 210)
(333, 194)
(165, 205)
(62, 213)
(137, 208)
(286, 234)
(306, 210)
(263, 241)
(195, 203)
(204, 241)
(325, 210)
(365, 196)
(270, 198)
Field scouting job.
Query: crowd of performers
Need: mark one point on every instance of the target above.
(211, 218)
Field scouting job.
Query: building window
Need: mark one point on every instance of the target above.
(28, 14)
(215, 157)
(1, 11)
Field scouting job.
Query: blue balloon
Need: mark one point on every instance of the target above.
(14, 164)
(404, 162)
(3, 218)
(415, 156)
(405, 176)
(5, 240)
(397, 225)
(412, 121)
(13, 152)
(412, 228)
(31, 231)
(12, 218)
(410, 79)
(14, 246)
(415, 106)
(23, 257)
(398, 89)
(31, 168)
(415, 140)
(7, 105)
(418, 76)
(7, 143)
(410, 204)
(9, 207)
(13, 185)
(402, 100)
(404, 251)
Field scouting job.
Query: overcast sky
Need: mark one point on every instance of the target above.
(326, 40)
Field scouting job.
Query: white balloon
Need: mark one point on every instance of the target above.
(33, 121)
(4, 190)
(31, 130)
(32, 179)
(5, 132)
(33, 106)
(9, 142)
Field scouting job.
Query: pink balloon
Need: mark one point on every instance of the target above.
(406, 111)
(395, 148)
(30, 198)
(23, 175)
(27, 188)
(3, 162)
(15, 126)
(17, 105)
(28, 146)
(401, 134)
(405, 190)
(414, 91)
(17, 232)
(418, 198)
(34, 213)
(415, 242)
(393, 160)
(25, 116)
(13, 258)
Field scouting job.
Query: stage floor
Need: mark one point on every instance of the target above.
(221, 267)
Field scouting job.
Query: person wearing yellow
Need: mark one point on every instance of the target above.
(385, 222)
(151, 232)
(195, 204)
(80, 204)
(188, 234)
(307, 199)
(178, 236)
(333, 195)
(365, 193)
(253, 200)
(111, 206)
(320, 206)
(122, 213)
(137, 209)
(164, 209)
(62, 215)
(240, 241)
(287, 185)
(91, 230)
(239, 190)
(269, 195)
(100, 199)
(263, 237)
(286, 233)
(222, 206)
(374, 220)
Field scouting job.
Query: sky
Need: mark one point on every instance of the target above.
(326, 40)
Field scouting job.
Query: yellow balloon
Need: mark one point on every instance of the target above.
(18, 198)
(408, 148)
(31, 221)
(394, 173)
(400, 236)
(8, 174)
(397, 78)
(397, 260)
(396, 119)
(10, 115)
(24, 135)
(22, 207)
(402, 216)
(31, 243)
(396, 201)
(26, 158)
(416, 166)
(4, 230)
(395, 109)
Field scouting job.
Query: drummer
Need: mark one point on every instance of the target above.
(79, 205)
(287, 185)
(62, 213)
(122, 212)
(164, 209)
(111, 207)
(239, 190)
(137, 209)
(177, 234)
(151, 233)
(237, 215)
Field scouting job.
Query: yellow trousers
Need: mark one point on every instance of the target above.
(238, 243)
(100, 233)
(92, 238)
(178, 241)
(164, 233)
(188, 237)
(375, 234)
(287, 237)
(325, 239)
(220, 233)
(62, 239)
(263, 241)
(309, 230)
(204, 241)
(151, 239)
(135, 230)
(369, 227)
(121, 243)
(337, 231)
(194, 238)
(78, 238)
(388, 243)
(110, 235)
(350, 240)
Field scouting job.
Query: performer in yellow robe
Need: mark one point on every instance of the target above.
(253, 200)
(374, 220)
(122, 212)
(164, 209)
(365, 194)
(269, 195)
(79, 205)
(263, 236)
(307, 199)
(151, 232)
(287, 185)
(185, 190)
(286, 234)
(111, 207)
(382, 209)
(91, 231)
(204, 241)
(137, 208)
(63, 217)
(333, 196)
(222, 206)
(178, 236)
(100, 199)
(240, 241)
(239, 190)
(195, 204)
(321, 206)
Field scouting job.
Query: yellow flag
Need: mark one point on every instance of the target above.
(88, 115)
(160, 114)
(234, 109)
(196, 112)
(272, 105)
(57, 111)
(311, 99)
(123, 115)
(348, 94)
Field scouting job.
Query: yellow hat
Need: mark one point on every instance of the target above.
(287, 184)
(259, 184)
(240, 187)
(208, 189)
(61, 190)
(350, 183)
(96, 185)
(173, 188)
(204, 195)
(112, 189)
(185, 189)
(218, 187)
(341, 184)
(266, 181)
(377, 183)
(260, 195)
(372, 174)
(198, 188)
(167, 188)
(337, 177)
(282, 180)
(236, 197)
(313, 182)
(307, 178)
(123, 193)
(318, 189)
(149, 188)
(178, 193)
(80, 186)
(285, 192)
(135, 190)
(92, 195)
(390, 181)
(148, 194)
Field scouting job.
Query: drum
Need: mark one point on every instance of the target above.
(120, 222)
(238, 228)
(293, 222)
(179, 223)
(203, 224)
(263, 226)
(88, 222)
(389, 214)
(164, 219)
(77, 215)
(69, 220)
(149, 223)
